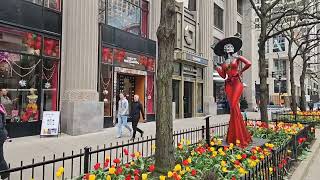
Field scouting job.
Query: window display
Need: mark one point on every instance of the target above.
(20, 41)
(50, 83)
(52, 4)
(106, 88)
(150, 93)
(51, 48)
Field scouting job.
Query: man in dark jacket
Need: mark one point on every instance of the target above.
(136, 108)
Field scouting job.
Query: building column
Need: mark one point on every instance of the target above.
(205, 41)
(81, 111)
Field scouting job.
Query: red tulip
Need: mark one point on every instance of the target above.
(136, 177)
(280, 165)
(136, 172)
(128, 177)
(127, 165)
(119, 170)
(152, 168)
(237, 163)
(96, 166)
(253, 157)
(86, 176)
(233, 178)
(185, 162)
(194, 172)
(106, 164)
(244, 156)
(117, 161)
(126, 152)
(132, 155)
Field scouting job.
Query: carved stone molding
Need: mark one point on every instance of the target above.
(80, 95)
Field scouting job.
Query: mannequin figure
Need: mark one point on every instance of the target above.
(233, 87)
(31, 112)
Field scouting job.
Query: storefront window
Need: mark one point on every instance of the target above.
(150, 93)
(50, 78)
(177, 69)
(129, 15)
(20, 41)
(52, 4)
(124, 15)
(21, 76)
(107, 56)
(106, 88)
(200, 98)
(51, 48)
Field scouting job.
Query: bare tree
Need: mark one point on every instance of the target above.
(271, 13)
(164, 134)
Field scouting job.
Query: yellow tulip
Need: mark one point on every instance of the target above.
(188, 142)
(212, 143)
(219, 142)
(182, 172)
(271, 169)
(177, 168)
(162, 178)
(144, 176)
(112, 170)
(61, 169)
(189, 160)
(137, 154)
(224, 169)
(231, 145)
(108, 177)
(170, 174)
(242, 171)
(58, 174)
(214, 153)
(188, 169)
(132, 163)
(239, 157)
(223, 163)
(92, 177)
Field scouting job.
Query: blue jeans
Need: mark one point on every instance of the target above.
(122, 121)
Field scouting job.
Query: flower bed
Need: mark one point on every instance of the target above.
(302, 117)
(215, 161)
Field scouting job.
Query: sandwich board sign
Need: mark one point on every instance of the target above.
(50, 123)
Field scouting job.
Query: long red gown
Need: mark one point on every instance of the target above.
(233, 87)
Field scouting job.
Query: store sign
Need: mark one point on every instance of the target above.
(196, 59)
(131, 60)
(50, 123)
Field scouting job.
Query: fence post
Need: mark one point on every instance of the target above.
(202, 132)
(207, 129)
(294, 147)
(86, 160)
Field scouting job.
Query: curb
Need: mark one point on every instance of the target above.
(303, 168)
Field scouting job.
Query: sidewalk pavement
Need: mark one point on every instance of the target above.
(26, 148)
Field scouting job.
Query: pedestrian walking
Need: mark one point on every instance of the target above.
(136, 109)
(3, 137)
(123, 112)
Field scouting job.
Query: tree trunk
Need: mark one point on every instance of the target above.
(293, 88)
(292, 83)
(164, 133)
(263, 74)
(303, 101)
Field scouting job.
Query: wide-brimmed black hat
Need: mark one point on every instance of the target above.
(219, 47)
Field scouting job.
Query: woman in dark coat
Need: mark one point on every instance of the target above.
(3, 137)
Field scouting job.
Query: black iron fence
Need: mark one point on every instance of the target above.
(278, 164)
(304, 118)
(76, 164)
(80, 163)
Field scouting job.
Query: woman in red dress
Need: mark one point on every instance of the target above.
(234, 88)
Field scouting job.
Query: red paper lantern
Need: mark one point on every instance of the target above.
(38, 45)
(29, 36)
(39, 38)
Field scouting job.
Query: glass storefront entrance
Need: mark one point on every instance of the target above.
(187, 99)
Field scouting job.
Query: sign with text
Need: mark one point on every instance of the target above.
(50, 123)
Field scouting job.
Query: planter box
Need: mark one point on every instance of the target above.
(21, 129)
